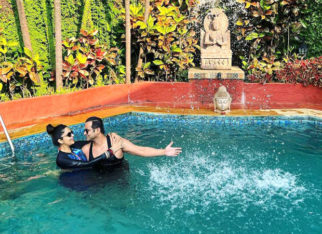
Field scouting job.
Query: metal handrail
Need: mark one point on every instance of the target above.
(7, 135)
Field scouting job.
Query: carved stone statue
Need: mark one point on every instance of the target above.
(215, 41)
(222, 100)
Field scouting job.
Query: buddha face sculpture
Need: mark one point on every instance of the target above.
(215, 24)
(222, 100)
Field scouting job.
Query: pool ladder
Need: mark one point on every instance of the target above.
(7, 135)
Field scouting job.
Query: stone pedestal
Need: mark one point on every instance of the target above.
(235, 73)
(219, 62)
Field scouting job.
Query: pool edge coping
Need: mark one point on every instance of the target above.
(38, 126)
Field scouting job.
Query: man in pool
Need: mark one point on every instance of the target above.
(100, 143)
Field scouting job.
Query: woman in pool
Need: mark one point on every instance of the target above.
(70, 155)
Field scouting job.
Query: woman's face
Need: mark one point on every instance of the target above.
(67, 137)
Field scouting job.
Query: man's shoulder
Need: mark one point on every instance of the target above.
(86, 146)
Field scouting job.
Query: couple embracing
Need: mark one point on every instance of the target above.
(99, 150)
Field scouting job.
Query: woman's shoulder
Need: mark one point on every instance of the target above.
(79, 144)
(62, 154)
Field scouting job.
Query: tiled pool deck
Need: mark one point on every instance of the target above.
(38, 126)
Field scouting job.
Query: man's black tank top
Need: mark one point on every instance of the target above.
(111, 161)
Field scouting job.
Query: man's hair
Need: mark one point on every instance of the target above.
(96, 123)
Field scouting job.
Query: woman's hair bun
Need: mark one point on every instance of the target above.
(50, 129)
(56, 132)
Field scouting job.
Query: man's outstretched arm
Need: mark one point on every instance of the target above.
(131, 148)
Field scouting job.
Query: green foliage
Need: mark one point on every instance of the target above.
(271, 28)
(104, 15)
(269, 25)
(262, 71)
(311, 34)
(87, 23)
(87, 63)
(307, 72)
(167, 39)
(8, 21)
(38, 28)
(72, 13)
(20, 75)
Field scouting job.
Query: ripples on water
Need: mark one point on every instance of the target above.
(229, 179)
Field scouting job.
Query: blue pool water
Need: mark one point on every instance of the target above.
(235, 175)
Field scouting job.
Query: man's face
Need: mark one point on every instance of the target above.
(89, 132)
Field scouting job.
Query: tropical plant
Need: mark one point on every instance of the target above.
(262, 71)
(307, 72)
(87, 23)
(234, 11)
(167, 40)
(20, 76)
(87, 63)
(311, 34)
(269, 25)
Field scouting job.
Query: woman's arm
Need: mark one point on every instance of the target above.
(64, 162)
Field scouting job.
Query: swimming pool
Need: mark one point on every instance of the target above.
(235, 175)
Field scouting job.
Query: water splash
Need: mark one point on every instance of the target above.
(206, 183)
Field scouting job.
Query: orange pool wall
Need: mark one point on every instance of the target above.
(195, 94)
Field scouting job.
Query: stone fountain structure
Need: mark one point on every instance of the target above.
(216, 55)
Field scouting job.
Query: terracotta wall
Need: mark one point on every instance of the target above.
(195, 94)
(200, 93)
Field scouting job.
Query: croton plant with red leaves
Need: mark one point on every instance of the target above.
(86, 61)
(308, 72)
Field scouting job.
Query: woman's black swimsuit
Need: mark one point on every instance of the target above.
(112, 160)
(76, 159)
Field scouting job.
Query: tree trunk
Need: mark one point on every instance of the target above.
(23, 24)
(128, 41)
(59, 52)
(140, 59)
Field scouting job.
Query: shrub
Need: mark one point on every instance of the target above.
(40, 15)
(168, 42)
(269, 25)
(87, 63)
(262, 71)
(21, 75)
(307, 72)
(271, 29)
(312, 32)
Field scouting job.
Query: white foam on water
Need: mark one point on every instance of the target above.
(203, 182)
